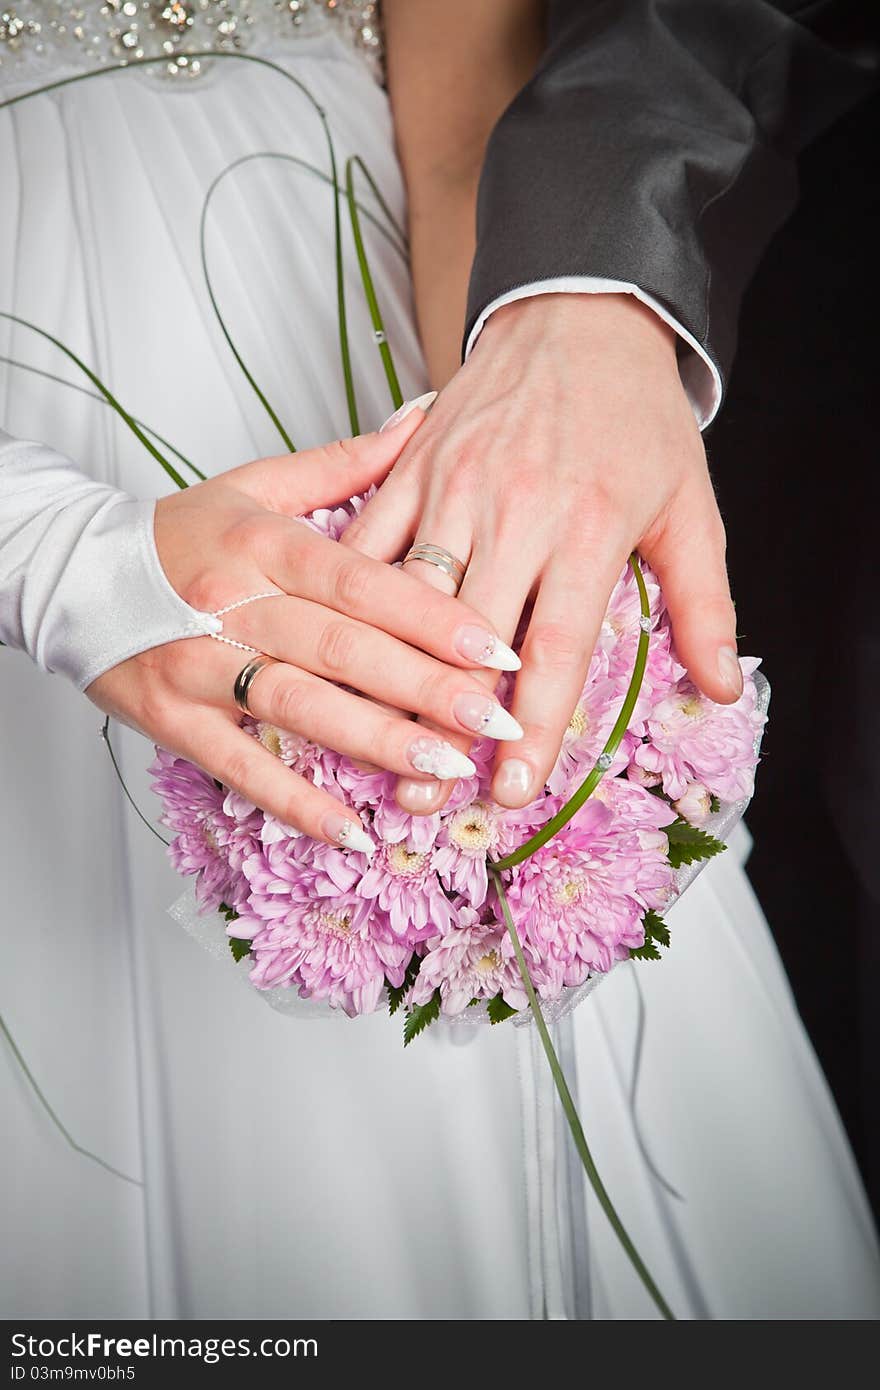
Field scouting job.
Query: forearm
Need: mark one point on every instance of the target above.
(452, 70)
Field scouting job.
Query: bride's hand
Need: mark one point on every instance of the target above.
(341, 619)
(565, 442)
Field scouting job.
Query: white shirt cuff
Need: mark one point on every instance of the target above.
(699, 375)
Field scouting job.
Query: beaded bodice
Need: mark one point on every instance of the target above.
(40, 37)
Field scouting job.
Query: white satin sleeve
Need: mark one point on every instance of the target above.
(81, 584)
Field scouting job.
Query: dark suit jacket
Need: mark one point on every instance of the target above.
(656, 144)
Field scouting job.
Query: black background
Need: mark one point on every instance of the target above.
(794, 456)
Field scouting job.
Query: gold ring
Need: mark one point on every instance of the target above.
(245, 679)
(443, 559)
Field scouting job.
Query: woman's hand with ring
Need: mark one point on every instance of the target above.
(344, 630)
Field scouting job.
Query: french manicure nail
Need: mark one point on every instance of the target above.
(348, 833)
(482, 647)
(513, 782)
(439, 759)
(729, 669)
(420, 403)
(419, 798)
(485, 716)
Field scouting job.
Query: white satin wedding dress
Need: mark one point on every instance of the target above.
(313, 1168)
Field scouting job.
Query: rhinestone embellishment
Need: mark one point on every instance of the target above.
(104, 33)
(604, 761)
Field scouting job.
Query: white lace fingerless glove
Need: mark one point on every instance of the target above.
(81, 585)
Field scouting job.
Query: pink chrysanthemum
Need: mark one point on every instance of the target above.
(476, 831)
(469, 962)
(578, 903)
(589, 727)
(310, 928)
(404, 882)
(337, 948)
(302, 756)
(691, 739)
(207, 843)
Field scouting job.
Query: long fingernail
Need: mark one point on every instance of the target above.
(420, 403)
(419, 798)
(485, 716)
(439, 759)
(729, 670)
(485, 649)
(513, 783)
(348, 833)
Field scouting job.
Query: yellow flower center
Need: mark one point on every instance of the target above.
(270, 737)
(578, 723)
(692, 706)
(404, 862)
(332, 923)
(567, 893)
(486, 964)
(472, 827)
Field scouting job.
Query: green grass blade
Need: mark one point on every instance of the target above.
(594, 777)
(102, 400)
(369, 287)
(108, 396)
(63, 1130)
(571, 1114)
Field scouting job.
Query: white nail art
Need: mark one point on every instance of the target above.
(440, 759)
(499, 657)
(353, 836)
(420, 403)
(498, 723)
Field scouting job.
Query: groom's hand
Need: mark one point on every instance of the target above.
(565, 442)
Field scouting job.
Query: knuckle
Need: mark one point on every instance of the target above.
(347, 450)
(540, 735)
(290, 706)
(553, 646)
(247, 534)
(336, 647)
(206, 591)
(716, 532)
(434, 695)
(350, 584)
(355, 533)
(236, 770)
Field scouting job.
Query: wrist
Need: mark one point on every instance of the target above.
(613, 323)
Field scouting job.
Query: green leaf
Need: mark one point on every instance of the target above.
(397, 993)
(656, 929)
(714, 805)
(499, 1009)
(647, 952)
(239, 948)
(419, 1016)
(687, 844)
(228, 912)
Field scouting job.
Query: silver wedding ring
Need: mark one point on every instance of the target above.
(245, 679)
(443, 559)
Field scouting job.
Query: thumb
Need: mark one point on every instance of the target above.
(294, 484)
(688, 558)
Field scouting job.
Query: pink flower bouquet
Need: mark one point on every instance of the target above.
(422, 923)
